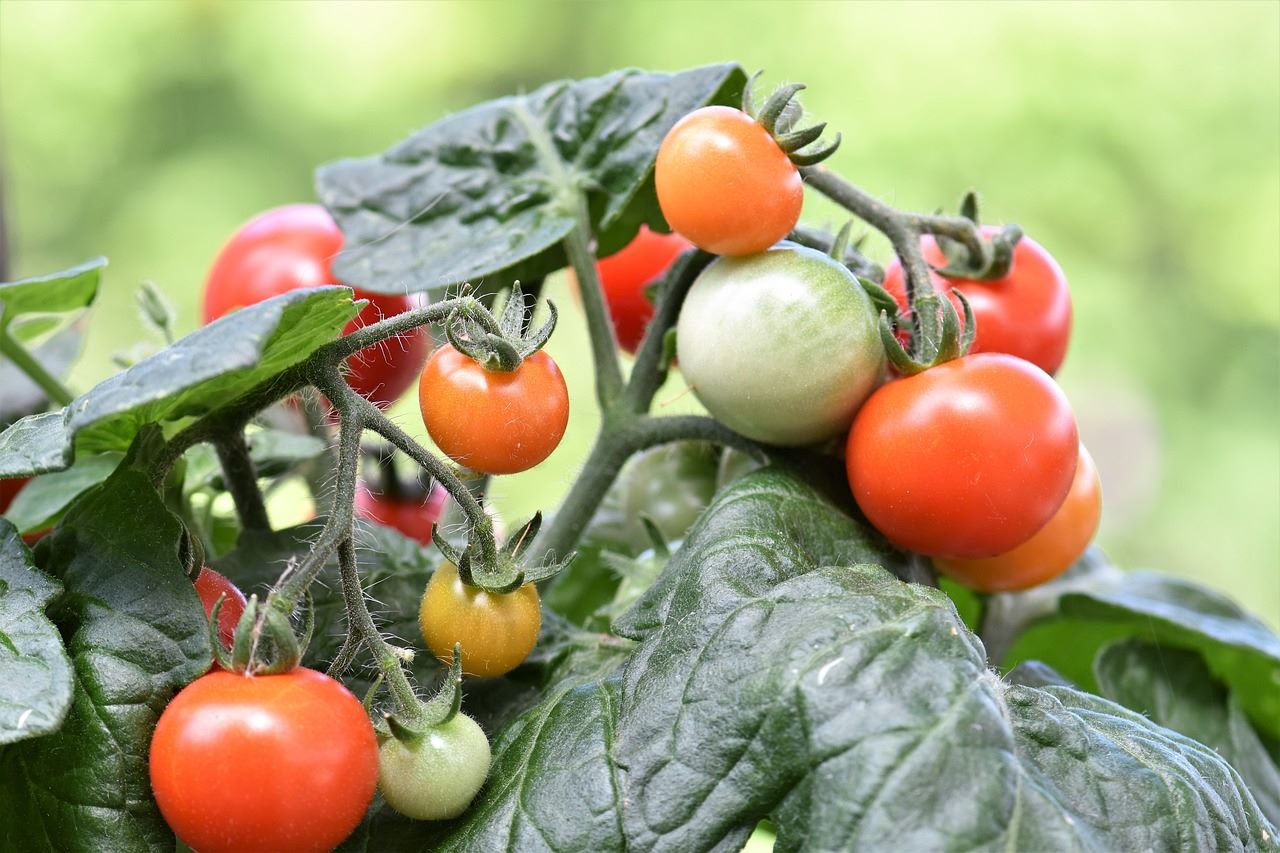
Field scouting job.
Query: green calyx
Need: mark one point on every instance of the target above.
(507, 574)
(943, 337)
(994, 258)
(779, 115)
(411, 727)
(503, 344)
(264, 642)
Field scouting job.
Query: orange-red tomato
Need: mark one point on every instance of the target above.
(496, 630)
(209, 586)
(1048, 553)
(413, 518)
(724, 183)
(264, 764)
(294, 246)
(1026, 313)
(968, 459)
(491, 421)
(626, 274)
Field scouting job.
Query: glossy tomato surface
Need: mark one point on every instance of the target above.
(782, 346)
(265, 764)
(497, 630)
(294, 246)
(1047, 554)
(210, 585)
(438, 776)
(626, 274)
(413, 518)
(724, 183)
(491, 421)
(1026, 313)
(967, 459)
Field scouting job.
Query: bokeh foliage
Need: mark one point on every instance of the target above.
(1141, 142)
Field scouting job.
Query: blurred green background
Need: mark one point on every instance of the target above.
(1139, 142)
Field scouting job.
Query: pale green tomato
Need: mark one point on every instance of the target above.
(438, 776)
(782, 346)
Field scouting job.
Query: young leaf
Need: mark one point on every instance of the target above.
(43, 500)
(61, 292)
(35, 673)
(1175, 688)
(200, 372)
(136, 633)
(489, 193)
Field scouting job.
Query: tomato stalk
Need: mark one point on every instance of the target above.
(28, 364)
(604, 345)
(242, 481)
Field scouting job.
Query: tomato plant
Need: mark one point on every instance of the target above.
(496, 630)
(412, 517)
(1026, 312)
(498, 422)
(626, 275)
(1049, 552)
(276, 763)
(930, 456)
(436, 776)
(782, 346)
(294, 246)
(211, 586)
(725, 184)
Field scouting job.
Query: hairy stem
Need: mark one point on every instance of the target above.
(362, 624)
(604, 345)
(242, 482)
(28, 364)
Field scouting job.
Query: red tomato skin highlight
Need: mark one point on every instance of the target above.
(291, 247)
(725, 185)
(265, 764)
(491, 421)
(412, 518)
(626, 274)
(1047, 554)
(967, 459)
(209, 586)
(1026, 313)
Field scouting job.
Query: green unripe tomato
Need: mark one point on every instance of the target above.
(437, 776)
(782, 346)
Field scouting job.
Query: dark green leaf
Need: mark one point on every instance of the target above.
(35, 673)
(858, 712)
(1033, 673)
(43, 500)
(1175, 688)
(136, 633)
(69, 290)
(197, 374)
(488, 194)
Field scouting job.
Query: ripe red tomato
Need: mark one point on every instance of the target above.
(1027, 313)
(294, 246)
(9, 489)
(625, 274)
(413, 518)
(969, 458)
(724, 183)
(1048, 553)
(264, 764)
(494, 422)
(495, 630)
(209, 585)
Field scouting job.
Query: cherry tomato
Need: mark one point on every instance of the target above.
(497, 631)
(969, 458)
(782, 346)
(626, 274)
(412, 518)
(494, 422)
(1047, 554)
(724, 183)
(210, 585)
(294, 246)
(437, 776)
(1027, 313)
(9, 489)
(270, 764)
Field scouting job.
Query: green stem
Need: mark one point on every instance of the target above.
(361, 623)
(242, 482)
(27, 363)
(604, 345)
(648, 373)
